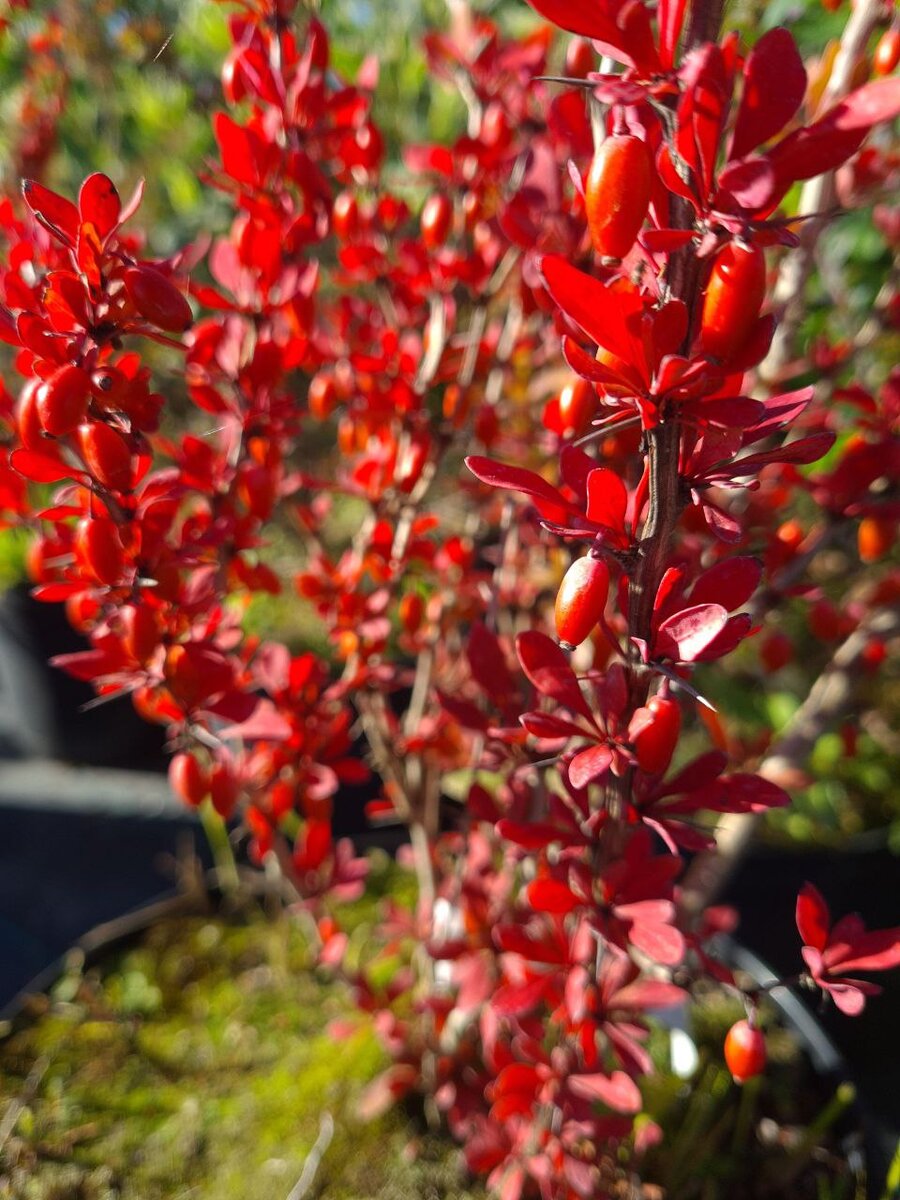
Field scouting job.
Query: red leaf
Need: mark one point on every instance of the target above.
(869, 105)
(688, 633)
(648, 993)
(240, 148)
(384, 1091)
(547, 667)
(813, 150)
(618, 1091)
(548, 725)
(607, 498)
(589, 765)
(752, 182)
(803, 450)
(670, 17)
(696, 774)
(52, 593)
(54, 212)
(774, 87)
(516, 479)
(602, 313)
(878, 950)
(730, 583)
(736, 629)
(848, 998)
(549, 895)
(729, 412)
(584, 17)
(530, 835)
(264, 724)
(488, 663)
(513, 999)
(742, 792)
(661, 942)
(98, 202)
(780, 411)
(41, 468)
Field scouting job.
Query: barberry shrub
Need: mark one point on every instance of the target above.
(582, 296)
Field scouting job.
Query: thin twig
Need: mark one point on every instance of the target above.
(15, 1107)
(830, 699)
(313, 1159)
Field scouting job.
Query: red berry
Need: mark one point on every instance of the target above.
(412, 610)
(106, 455)
(437, 217)
(776, 651)
(734, 296)
(345, 217)
(158, 299)
(63, 399)
(578, 405)
(617, 194)
(223, 789)
(188, 779)
(234, 85)
(745, 1051)
(580, 58)
(887, 52)
(654, 731)
(875, 537)
(99, 548)
(82, 610)
(322, 395)
(581, 600)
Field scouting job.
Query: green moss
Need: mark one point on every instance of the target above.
(200, 1063)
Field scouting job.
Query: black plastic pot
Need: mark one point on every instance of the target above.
(42, 712)
(861, 877)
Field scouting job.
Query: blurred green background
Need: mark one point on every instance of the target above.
(139, 82)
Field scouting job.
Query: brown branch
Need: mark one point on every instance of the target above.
(817, 196)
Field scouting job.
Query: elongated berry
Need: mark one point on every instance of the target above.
(437, 217)
(887, 52)
(657, 734)
(581, 600)
(876, 536)
(188, 780)
(578, 405)
(617, 194)
(734, 296)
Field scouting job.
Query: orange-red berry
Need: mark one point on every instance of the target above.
(745, 1051)
(617, 194)
(581, 600)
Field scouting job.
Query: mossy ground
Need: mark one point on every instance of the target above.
(199, 1061)
(198, 1064)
